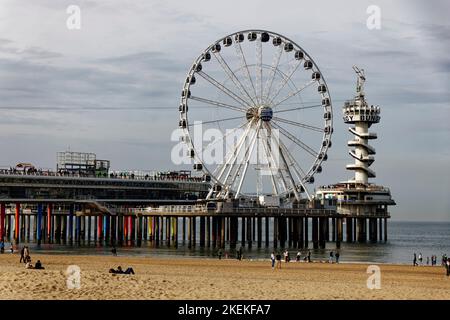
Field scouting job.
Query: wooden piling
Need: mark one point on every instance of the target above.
(349, 229)
(315, 237)
(243, 228)
(194, 231)
(259, 227)
(2, 221)
(275, 232)
(300, 237)
(214, 231)
(249, 231)
(202, 232)
(380, 229)
(306, 233)
(322, 230)
(17, 223)
(208, 232)
(222, 232)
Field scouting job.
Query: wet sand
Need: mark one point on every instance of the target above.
(180, 278)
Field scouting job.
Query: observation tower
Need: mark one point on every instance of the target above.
(357, 199)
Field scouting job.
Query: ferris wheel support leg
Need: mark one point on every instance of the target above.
(294, 188)
(236, 152)
(247, 161)
(269, 158)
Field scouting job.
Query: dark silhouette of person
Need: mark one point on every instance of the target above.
(278, 257)
(22, 255)
(38, 265)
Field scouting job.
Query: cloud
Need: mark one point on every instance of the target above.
(113, 87)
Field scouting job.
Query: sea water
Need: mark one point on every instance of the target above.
(404, 239)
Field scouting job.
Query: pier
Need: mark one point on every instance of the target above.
(166, 220)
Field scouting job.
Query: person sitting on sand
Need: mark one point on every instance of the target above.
(29, 265)
(38, 265)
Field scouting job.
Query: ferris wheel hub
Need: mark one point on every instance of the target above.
(265, 113)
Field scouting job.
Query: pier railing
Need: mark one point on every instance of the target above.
(112, 175)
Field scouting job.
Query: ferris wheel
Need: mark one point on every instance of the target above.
(256, 116)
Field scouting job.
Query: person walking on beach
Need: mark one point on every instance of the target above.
(299, 255)
(272, 259)
(114, 251)
(22, 255)
(278, 260)
(420, 258)
(11, 248)
(337, 255)
(447, 266)
(220, 254)
(26, 252)
(428, 261)
(415, 260)
(2, 247)
(309, 255)
(330, 260)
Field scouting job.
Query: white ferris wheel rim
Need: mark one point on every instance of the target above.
(326, 138)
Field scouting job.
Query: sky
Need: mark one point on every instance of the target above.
(112, 87)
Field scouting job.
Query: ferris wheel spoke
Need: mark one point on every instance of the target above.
(295, 166)
(259, 69)
(245, 69)
(214, 121)
(294, 139)
(273, 69)
(293, 93)
(299, 170)
(287, 77)
(232, 172)
(281, 177)
(299, 108)
(298, 124)
(270, 165)
(217, 103)
(291, 178)
(287, 168)
(224, 136)
(224, 89)
(233, 76)
(249, 153)
(233, 154)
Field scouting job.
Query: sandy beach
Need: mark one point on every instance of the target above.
(164, 278)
